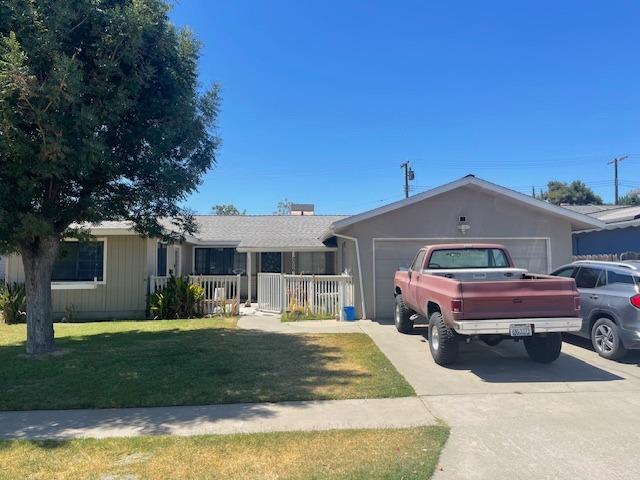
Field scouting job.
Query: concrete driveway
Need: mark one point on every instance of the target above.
(510, 418)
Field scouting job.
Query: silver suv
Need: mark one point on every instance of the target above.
(610, 297)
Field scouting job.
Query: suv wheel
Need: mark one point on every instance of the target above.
(605, 337)
(402, 316)
(443, 342)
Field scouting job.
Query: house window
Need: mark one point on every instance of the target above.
(161, 260)
(271, 262)
(79, 262)
(316, 263)
(220, 261)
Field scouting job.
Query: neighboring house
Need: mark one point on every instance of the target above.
(110, 278)
(620, 234)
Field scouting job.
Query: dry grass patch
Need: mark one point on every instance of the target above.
(190, 362)
(339, 454)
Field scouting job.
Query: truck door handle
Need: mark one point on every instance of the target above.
(593, 297)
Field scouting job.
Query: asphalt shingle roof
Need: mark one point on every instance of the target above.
(265, 231)
(607, 213)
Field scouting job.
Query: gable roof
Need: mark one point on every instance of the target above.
(264, 232)
(578, 220)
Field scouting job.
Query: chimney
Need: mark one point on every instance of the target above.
(302, 209)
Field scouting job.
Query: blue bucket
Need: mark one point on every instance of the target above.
(349, 313)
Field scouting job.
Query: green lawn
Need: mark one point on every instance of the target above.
(348, 454)
(189, 362)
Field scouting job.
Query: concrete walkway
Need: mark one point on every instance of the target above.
(216, 419)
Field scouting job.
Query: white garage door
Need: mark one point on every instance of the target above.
(529, 253)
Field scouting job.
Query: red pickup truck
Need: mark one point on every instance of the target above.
(474, 291)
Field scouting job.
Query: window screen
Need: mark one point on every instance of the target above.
(271, 262)
(219, 261)
(316, 263)
(162, 260)
(79, 261)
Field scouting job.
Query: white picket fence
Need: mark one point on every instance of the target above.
(316, 294)
(221, 292)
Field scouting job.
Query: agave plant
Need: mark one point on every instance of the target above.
(13, 303)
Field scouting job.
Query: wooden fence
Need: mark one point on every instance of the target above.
(609, 257)
(221, 292)
(325, 295)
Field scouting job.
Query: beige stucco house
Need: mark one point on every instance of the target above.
(111, 277)
(372, 245)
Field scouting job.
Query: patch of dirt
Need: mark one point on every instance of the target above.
(132, 458)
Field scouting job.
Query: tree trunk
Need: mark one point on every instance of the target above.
(38, 258)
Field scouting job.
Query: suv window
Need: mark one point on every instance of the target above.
(617, 277)
(417, 263)
(589, 277)
(567, 272)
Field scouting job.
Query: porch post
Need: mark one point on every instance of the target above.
(249, 274)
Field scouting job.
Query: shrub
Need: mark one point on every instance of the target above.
(13, 303)
(178, 299)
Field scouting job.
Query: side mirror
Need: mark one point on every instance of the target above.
(410, 273)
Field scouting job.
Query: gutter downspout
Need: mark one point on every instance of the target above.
(355, 241)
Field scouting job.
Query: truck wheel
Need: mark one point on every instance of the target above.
(544, 348)
(402, 316)
(606, 340)
(442, 341)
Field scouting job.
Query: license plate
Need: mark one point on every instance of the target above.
(520, 330)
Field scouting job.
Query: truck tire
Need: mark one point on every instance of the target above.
(606, 340)
(442, 341)
(544, 348)
(402, 316)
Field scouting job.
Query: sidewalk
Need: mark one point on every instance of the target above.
(216, 419)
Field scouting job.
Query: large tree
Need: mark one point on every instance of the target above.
(631, 198)
(574, 193)
(101, 118)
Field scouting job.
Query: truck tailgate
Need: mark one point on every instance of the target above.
(518, 298)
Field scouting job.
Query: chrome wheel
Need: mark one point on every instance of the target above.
(604, 338)
(435, 337)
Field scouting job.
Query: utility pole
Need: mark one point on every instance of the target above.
(408, 175)
(615, 170)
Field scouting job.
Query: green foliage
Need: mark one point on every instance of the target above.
(101, 117)
(283, 207)
(574, 193)
(13, 303)
(227, 209)
(179, 299)
(631, 198)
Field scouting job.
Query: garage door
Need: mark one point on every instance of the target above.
(391, 254)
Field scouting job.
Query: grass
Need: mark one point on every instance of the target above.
(301, 316)
(189, 362)
(337, 454)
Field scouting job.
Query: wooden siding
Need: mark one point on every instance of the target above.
(122, 296)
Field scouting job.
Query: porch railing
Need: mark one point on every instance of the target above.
(221, 292)
(325, 295)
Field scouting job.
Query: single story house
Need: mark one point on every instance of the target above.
(620, 234)
(110, 278)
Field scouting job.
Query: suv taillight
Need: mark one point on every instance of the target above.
(576, 303)
(456, 306)
(635, 301)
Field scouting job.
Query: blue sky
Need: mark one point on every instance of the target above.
(322, 101)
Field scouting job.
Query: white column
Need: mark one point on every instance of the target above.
(249, 273)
